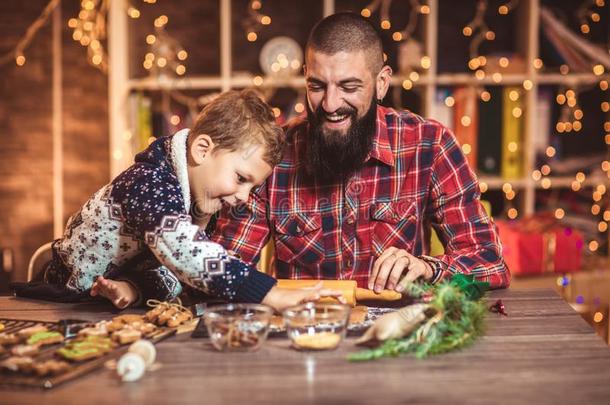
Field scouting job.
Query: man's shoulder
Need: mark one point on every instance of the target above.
(402, 122)
(408, 117)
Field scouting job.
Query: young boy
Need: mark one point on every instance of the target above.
(143, 234)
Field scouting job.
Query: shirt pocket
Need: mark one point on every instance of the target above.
(299, 239)
(393, 224)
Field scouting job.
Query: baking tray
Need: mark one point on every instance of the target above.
(68, 328)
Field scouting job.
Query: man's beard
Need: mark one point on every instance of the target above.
(332, 156)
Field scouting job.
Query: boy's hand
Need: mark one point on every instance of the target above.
(282, 298)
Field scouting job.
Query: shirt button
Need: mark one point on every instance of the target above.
(298, 230)
(348, 263)
(350, 221)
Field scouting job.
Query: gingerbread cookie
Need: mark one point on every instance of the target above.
(8, 338)
(27, 332)
(50, 367)
(147, 328)
(97, 330)
(86, 348)
(167, 314)
(153, 314)
(45, 338)
(126, 335)
(17, 363)
(24, 350)
(128, 318)
(179, 318)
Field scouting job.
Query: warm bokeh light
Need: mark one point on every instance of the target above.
(425, 62)
(595, 209)
(536, 175)
(546, 183)
(598, 70)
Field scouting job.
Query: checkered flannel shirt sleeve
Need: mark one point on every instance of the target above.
(470, 237)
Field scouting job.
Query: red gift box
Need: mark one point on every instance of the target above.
(538, 244)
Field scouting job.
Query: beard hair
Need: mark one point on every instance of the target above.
(332, 156)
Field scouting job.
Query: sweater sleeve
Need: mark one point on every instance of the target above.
(153, 207)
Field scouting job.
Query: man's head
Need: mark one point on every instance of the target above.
(345, 77)
(232, 148)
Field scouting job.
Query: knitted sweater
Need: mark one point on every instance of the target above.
(147, 208)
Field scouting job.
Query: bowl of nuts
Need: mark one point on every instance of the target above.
(238, 327)
(316, 326)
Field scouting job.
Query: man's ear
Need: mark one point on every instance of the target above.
(201, 146)
(382, 83)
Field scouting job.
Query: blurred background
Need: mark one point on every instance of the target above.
(522, 83)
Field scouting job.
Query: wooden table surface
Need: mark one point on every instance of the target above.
(543, 352)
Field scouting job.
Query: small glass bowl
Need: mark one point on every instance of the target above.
(238, 327)
(316, 326)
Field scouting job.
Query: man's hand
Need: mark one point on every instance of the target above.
(389, 268)
(282, 298)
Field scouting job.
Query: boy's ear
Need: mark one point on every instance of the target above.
(201, 147)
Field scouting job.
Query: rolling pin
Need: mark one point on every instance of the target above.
(349, 288)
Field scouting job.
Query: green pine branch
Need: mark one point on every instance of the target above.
(462, 315)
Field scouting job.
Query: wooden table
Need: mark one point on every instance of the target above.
(543, 352)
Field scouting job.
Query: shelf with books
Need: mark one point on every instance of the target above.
(512, 119)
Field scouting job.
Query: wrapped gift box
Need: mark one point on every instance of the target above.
(539, 244)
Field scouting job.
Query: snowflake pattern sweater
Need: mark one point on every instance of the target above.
(146, 208)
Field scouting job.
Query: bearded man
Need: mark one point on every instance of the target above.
(360, 185)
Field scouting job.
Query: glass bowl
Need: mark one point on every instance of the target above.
(238, 327)
(316, 326)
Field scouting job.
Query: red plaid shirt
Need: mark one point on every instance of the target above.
(415, 177)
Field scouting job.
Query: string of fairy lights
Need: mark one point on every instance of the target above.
(571, 114)
(167, 58)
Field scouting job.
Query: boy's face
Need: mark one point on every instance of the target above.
(220, 176)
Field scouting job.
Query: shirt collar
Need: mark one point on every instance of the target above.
(382, 150)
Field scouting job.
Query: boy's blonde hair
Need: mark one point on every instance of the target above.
(241, 118)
